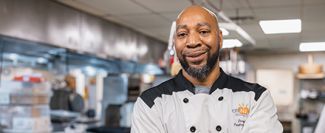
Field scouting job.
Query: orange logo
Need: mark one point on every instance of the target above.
(243, 109)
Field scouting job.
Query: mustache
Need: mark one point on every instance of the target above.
(195, 52)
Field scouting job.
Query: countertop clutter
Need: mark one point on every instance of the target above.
(24, 106)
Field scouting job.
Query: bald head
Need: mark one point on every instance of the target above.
(195, 9)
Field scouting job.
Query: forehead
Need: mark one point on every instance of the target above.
(195, 15)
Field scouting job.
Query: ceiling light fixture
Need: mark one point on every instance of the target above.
(312, 46)
(281, 26)
(231, 43)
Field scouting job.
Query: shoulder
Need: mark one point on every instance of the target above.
(165, 88)
(238, 85)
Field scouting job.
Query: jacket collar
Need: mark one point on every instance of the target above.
(183, 84)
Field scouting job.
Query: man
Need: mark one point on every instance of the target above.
(202, 98)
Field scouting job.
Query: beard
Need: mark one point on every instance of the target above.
(200, 73)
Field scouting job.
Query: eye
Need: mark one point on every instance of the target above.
(181, 35)
(204, 32)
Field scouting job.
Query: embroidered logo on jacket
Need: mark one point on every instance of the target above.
(243, 109)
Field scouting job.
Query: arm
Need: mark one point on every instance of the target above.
(146, 119)
(263, 117)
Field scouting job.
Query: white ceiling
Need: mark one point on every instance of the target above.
(154, 17)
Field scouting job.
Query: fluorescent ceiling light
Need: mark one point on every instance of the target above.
(281, 26)
(312, 46)
(231, 43)
(224, 32)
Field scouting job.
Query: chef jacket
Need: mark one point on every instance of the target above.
(231, 106)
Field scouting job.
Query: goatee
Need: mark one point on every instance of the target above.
(203, 72)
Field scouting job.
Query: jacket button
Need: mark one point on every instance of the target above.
(220, 98)
(193, 129)
(218, 128)
(185, 100)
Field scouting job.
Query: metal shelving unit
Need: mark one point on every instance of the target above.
(311, 100)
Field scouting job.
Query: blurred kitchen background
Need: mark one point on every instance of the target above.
(79, 65)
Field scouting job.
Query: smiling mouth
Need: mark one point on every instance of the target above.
(196, 57)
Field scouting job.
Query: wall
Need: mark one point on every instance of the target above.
(55, 24)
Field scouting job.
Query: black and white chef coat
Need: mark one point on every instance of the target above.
(231, 106)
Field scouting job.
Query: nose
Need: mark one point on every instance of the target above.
(193, 40)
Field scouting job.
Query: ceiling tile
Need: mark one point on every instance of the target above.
(115, 7)
(278, 13)
(239, 12)
(82, 6)
(313, 38)
(314, 2)
(274, 3)
(165, 5)
(145, 21)
(171, 16)
(281, 39)
(314, 13)
(230, 4)
(312, 23)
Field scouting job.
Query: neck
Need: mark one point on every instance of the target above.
(212, 77)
